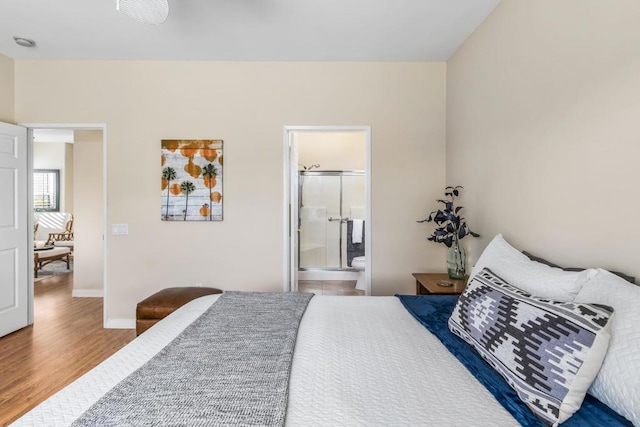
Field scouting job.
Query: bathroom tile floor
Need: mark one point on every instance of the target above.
(329, 287)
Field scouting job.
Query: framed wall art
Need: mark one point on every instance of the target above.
(191, 174)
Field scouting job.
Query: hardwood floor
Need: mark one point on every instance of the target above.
(66, 340)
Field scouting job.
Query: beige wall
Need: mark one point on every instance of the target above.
(332, 150)
(7, 89)
(53, 155)
(543, 130)
(88, 251)
(69, 180)
(246, 105)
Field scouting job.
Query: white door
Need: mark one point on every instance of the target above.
(15, 249)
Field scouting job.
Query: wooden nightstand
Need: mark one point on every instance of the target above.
(427, 284)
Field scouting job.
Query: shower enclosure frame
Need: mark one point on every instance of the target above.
(290, 202)
(342, 219)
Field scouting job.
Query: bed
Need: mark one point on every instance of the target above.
(365, 361)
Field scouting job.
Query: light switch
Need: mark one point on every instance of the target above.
(119, 229)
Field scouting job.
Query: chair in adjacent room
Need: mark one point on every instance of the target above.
(54, 229)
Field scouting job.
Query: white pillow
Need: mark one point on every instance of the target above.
(531, 276)
(618, 382)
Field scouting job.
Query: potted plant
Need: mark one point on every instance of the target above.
(451, 227)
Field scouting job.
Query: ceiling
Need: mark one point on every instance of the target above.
(244, 30)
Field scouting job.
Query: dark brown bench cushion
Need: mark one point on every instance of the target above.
(161, 304)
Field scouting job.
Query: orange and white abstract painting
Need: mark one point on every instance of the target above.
(191, 180)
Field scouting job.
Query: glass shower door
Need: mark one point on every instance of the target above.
(353, 208)
(319, 243)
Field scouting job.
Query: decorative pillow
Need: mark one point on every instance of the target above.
(630, 279)
(549, 352)
(618, 382)
(533, 277)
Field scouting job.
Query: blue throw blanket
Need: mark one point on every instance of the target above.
(434, 311)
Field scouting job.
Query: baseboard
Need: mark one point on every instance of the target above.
(120, 324)
(87, 293)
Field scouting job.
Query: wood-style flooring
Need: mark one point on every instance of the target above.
(330, 287)
(66, 340)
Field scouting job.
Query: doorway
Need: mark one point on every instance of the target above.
(85, 198)
(327, 209)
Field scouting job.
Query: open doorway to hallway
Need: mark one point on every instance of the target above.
(74, 154)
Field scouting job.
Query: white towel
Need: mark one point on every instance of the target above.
(356, 231)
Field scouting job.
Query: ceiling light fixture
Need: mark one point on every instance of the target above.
(151, 12)
(24, 42)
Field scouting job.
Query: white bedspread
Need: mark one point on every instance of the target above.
(359, 361)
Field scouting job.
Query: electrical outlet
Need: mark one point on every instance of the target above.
(198, 285)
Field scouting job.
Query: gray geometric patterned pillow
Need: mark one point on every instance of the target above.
(549, 352)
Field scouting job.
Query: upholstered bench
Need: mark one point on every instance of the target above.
(161, 304)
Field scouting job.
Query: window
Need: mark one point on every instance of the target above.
(46, 190)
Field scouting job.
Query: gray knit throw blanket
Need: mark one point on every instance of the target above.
(230, 367)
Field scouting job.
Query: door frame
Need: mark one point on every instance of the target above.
(290, 212)
(79, 126)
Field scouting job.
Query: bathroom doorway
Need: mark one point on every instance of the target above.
(328, 204)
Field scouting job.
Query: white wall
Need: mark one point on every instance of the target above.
(246, 105)
(89, 214)
(332, 150)
(7, 95)
(53, 155)
(543, 102)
